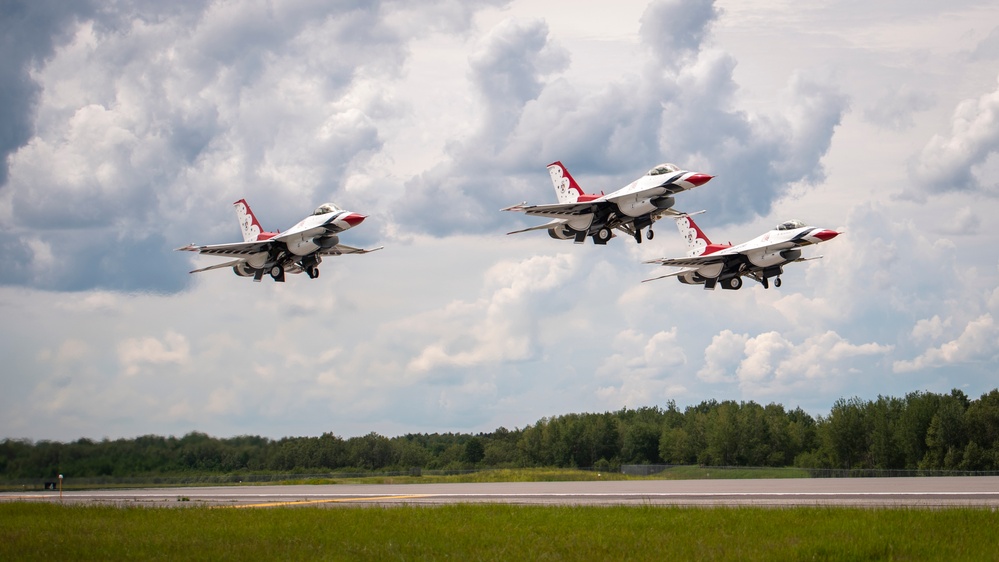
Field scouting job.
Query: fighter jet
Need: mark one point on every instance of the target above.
(300, 248)
(761, 258)
(629, 209)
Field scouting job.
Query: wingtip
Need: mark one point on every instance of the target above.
(518, 207)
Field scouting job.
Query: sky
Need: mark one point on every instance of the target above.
(128, 129)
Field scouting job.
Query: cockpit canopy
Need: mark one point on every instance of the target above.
(791, 225)
(326, 208)
(663, 169)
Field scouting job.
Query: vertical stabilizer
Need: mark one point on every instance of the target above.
(248, 223)
(697, 241)
(566, 188)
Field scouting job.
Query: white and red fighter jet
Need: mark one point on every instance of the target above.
(761, 258)
(300, 248)
(629, 209)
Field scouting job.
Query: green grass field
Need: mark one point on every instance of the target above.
(495, 532)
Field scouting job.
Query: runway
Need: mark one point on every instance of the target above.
(928, 492)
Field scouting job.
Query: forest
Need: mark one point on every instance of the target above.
(923, 431)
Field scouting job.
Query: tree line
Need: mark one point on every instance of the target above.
(922, 431)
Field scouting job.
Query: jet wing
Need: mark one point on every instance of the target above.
(340, 249)
(695, 261)
(674, 274)
(218, 266)
(558, 209)
(546, 226)
(235, 249)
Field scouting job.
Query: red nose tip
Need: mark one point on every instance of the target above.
(354, 219)
(826, 235)
(699, 179)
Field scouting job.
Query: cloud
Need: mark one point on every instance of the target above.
(978, 341)
(675, 29)
(643, 368)
(722, 356)
(678, 107)
(142, 123)
(947, 162)
(30, 31)
(895, 109)
(135, 354)
(499, 328)
(770, 362)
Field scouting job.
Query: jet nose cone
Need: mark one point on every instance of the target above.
(824, 235)
(699, 179)
(354, 219)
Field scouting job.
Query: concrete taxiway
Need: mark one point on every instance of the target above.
(931, 492)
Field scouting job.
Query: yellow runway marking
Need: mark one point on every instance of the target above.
(336, 500)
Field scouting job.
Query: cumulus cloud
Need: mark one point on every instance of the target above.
(30, 31)
(643, 368)
(502, 327)
(895, 110)
(675, 29)
(681, 106)
(978, 341)
(722, 356)
(948, 162)
(772, 362)
(142, 122)
(135, 354)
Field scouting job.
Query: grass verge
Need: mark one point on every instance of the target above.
(495, 532)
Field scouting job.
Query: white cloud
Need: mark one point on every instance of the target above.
(643, 369)
(500, 327)
(135, 354)
(722, 356)
(978, 341)
(947, 161)
(132, 133)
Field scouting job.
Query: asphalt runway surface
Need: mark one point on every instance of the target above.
(919, 492)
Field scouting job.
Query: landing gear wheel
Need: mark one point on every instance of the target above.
(277, 272)
(777, 282)
(732, 283)
(650, 235)
(602, 236)
(312, 272)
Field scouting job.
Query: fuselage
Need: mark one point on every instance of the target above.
(317, 230)
(766, 250)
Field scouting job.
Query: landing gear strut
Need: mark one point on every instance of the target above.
(277, 273)
(638, 235)
(602, 236)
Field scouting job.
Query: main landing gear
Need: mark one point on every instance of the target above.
(312, 272)
(638, 235)
(766, 282)
(277, 273)
(601, 236)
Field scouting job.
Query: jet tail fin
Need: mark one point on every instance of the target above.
(697, 241)
(566, 188)
(248, 222)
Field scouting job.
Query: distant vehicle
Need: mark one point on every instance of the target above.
(761, 258)
(630, 209)
(300, 248)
